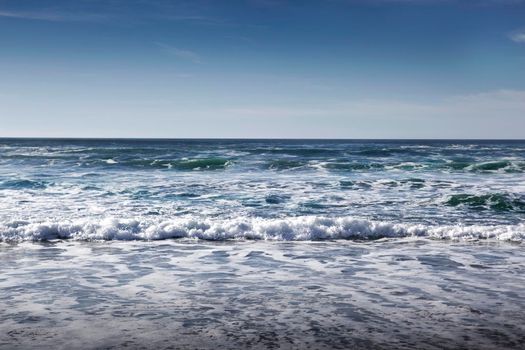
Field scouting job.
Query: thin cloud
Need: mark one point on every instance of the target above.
(204, 20)
(518, 36)
(184, 54)
(55, 16)
(133, 10)
(487, 105)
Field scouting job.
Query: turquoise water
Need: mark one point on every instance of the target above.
(260, 189)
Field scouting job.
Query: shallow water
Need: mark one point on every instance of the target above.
(386, 294)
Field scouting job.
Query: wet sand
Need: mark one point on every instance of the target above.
(174, 294)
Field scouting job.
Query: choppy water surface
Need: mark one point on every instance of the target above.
(232, 244)
(261, 189)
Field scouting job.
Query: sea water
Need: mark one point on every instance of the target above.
(262, 243)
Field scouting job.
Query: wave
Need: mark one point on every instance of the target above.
(179, 164)
(491, 166)
(452, 166)
(278, 159)
(486, 167)
(299, 152)
(494, 201)
(304, 228)
(388, 152)
(352, 165)
(23, 184)
(285, 164)
(204, 163)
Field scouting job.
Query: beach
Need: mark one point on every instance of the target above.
(386, 294)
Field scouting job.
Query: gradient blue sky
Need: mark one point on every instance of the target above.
(263, 68)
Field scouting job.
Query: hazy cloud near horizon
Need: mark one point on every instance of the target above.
(367, 118)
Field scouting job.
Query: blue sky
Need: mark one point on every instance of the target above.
(263, 68)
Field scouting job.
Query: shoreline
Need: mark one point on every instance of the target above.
(386, 294)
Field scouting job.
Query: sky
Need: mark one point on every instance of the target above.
(262, 68)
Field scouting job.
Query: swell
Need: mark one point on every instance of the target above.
(361, 165)
(304, 228)
(364, 160)
(180, 164)
(494, 201)
(23, 184)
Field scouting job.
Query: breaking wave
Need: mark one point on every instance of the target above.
(306, 228)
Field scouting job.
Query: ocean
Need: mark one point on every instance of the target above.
(294, 244)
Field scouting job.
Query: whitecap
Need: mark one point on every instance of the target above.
(303, 228)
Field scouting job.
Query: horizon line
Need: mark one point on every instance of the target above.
(251, 138)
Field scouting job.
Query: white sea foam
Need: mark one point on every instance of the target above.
(290, 229)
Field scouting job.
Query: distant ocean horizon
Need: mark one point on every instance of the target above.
(336, 139)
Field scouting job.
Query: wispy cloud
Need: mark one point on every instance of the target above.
(184, 54)
(491, 114)
(193, 11)
(518, 36)
(55, 16)
(493, 105)
(59, 16)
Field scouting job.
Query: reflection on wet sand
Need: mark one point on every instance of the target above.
(402, 293)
